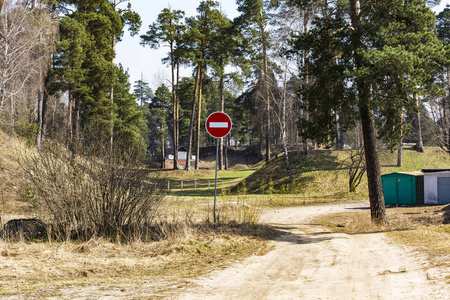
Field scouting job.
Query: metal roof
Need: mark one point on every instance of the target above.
(435, 170)
(412, 173)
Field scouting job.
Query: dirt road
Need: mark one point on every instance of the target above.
(310, 262)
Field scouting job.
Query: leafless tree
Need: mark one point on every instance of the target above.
(356, 166)
(26, 32)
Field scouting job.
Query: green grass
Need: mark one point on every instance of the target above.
(320, 173)
(201, 182)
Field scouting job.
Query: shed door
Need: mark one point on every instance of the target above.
(444, 190)
(390, 190)
(405, 190)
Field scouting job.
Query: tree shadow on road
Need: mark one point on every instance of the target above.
(284, 233)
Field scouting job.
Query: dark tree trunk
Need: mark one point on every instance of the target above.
(163, 152)
(265, 80)
(175, 114)
(199, 116)
(192, 121)
(341, 132)
(306, 61)
(42, 111)
(377, 208)
(338, 138)
(227, 143)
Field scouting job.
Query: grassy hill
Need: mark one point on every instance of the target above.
(322, 172)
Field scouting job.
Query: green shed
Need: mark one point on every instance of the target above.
(403, 188)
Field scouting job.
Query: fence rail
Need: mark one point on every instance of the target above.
(206, 187)
(193, 185)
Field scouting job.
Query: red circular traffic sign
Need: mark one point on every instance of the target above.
(218, 124)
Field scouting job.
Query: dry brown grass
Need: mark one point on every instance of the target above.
(30, 268)
(12, 185)
(183, 246)
(399, 218)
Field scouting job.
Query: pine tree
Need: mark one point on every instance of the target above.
(143, 92)
(224, 48)
(158, 117)
(128, 121)
(253, 22)
(204, 30)
(168, 30)
(133, 21)
(441, 105)
(370, 62)
(82, 65)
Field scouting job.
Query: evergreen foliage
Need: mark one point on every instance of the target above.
(82, 65)
(128, 120)
(143, 92)
(401, 54)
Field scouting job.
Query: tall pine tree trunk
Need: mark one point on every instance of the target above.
(305, 62)
(400, 144)
(177, 102)
(261, 135)
(199, 116)
(192, 121)
(261, 115)
(226, 151)
(163, 152)
(175, 113)
(418, 125)
(377, 207)
(266, 92)
(283, 125)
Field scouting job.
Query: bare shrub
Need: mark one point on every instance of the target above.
(97, 192)
(356, 165)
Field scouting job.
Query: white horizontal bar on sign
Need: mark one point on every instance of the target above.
(218, 124)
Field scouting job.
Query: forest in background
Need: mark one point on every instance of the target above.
(289, 73)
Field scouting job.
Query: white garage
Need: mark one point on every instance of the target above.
(436, 186)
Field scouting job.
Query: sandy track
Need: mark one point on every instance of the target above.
(309, 262)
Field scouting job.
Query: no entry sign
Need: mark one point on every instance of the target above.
(218, 124)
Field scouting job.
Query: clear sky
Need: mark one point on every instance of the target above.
(146, 62)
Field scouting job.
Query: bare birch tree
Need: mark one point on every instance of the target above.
(25, 33)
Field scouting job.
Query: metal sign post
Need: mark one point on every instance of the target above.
(218, 125)
(215, 183)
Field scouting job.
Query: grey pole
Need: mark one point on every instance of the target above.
(215, 187)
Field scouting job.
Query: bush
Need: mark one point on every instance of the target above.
(96, 193)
